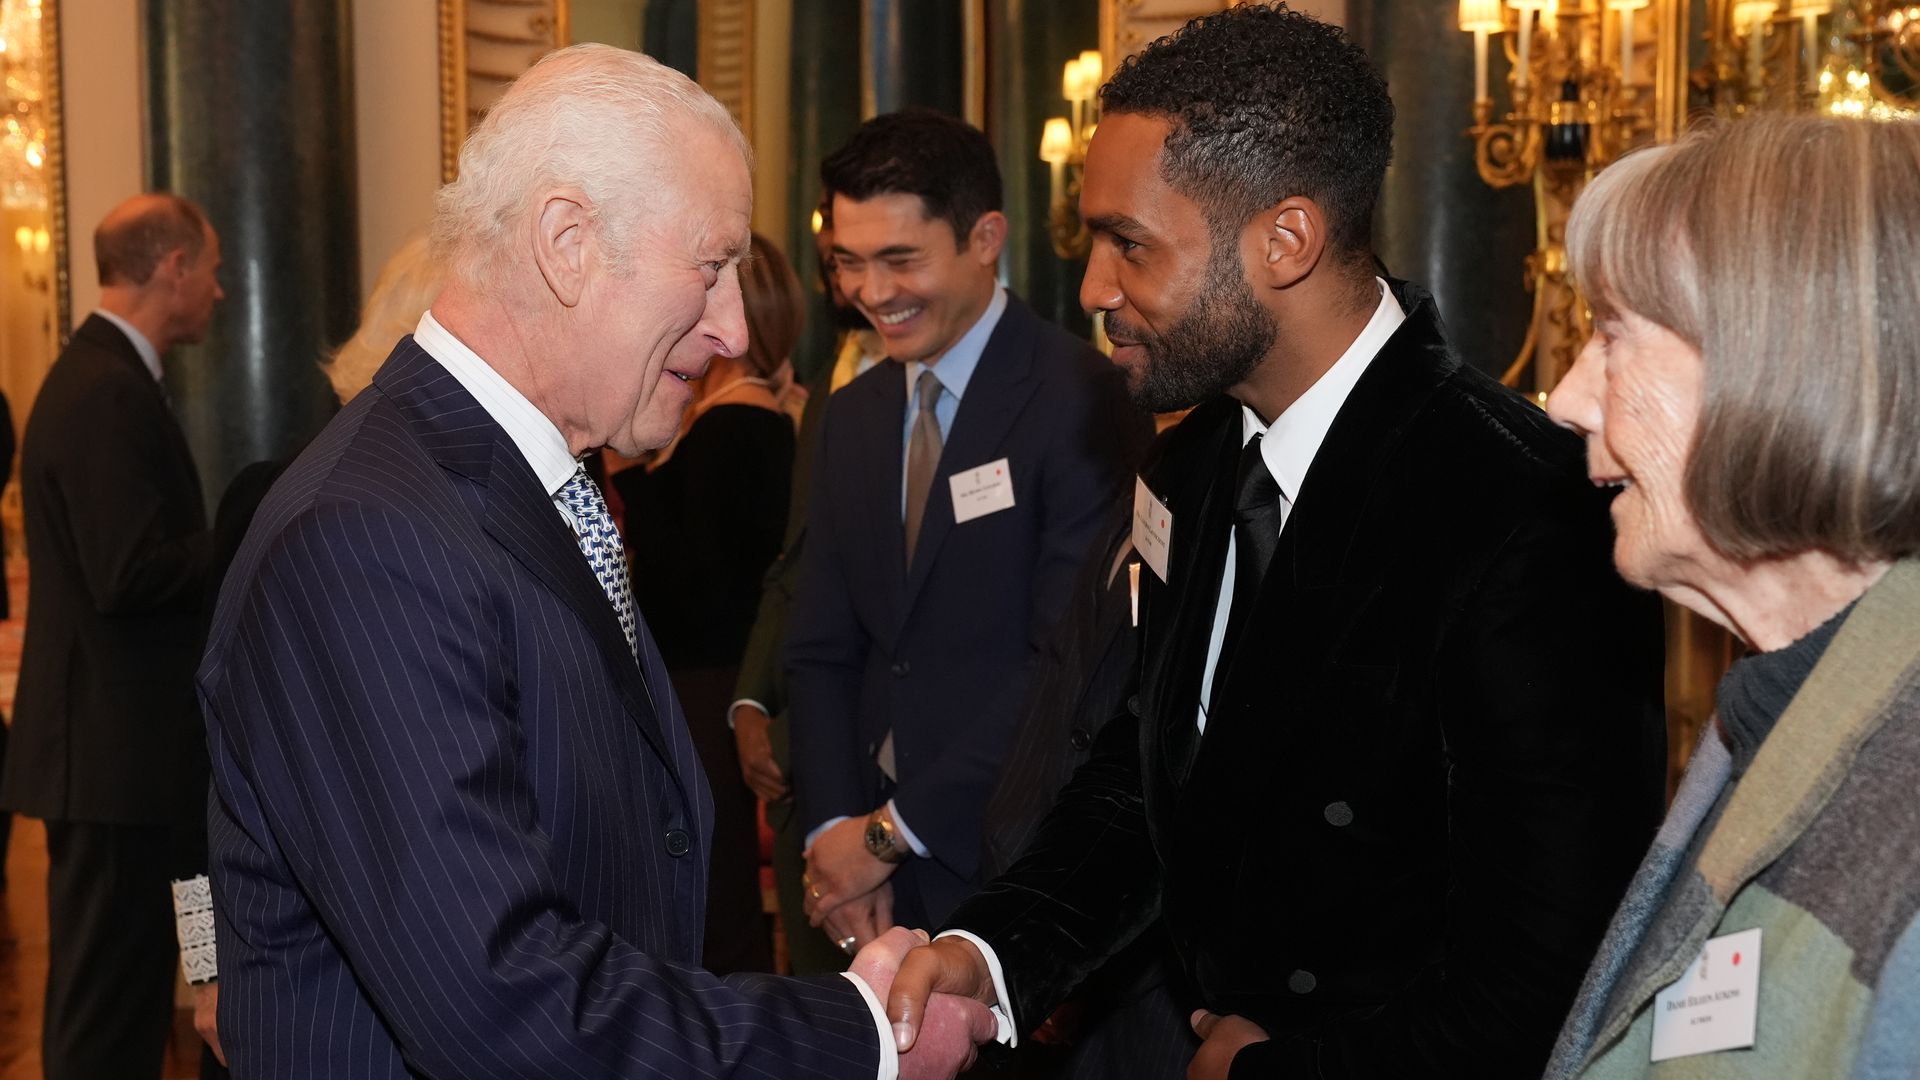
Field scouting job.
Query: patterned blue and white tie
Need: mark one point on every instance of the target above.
(600, 543)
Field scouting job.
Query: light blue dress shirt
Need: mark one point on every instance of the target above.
(955, 370)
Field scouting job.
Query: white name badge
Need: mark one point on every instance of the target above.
(1152, 527)
(1716, 1003)
(982, 491)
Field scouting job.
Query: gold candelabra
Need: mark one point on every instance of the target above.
(1063, 146)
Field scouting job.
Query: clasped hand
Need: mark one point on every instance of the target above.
(847, 889)
(946, 1028)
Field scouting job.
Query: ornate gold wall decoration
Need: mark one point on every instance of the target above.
(726, 56)
(484, 46)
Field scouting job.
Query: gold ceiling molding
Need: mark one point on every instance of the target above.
(484, 46)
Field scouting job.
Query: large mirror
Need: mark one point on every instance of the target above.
(33, 248)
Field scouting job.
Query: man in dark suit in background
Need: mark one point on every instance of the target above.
(1396, 739)
(956, 491)
(460, 829)
(107, 745)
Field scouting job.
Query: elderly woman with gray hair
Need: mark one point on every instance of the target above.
(1753, 390)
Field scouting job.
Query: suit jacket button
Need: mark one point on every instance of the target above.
(678, 842)
(900, 669)
(1302, 981)
(1133, 704)
(1080, 739)
(1338, 814)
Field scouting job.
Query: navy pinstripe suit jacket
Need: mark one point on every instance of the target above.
(456, 830)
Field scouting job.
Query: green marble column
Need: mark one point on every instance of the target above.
(825, 108)
(1031, 40)
(251, 115)
(1438, 224)
(914, 55)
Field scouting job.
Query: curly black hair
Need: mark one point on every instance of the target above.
(946, 161)
(1265, 104)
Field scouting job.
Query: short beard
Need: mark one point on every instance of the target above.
(1217, 343)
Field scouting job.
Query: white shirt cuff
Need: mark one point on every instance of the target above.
(745, 701)
(889, 1057)
(900, 826)
(818, 829)
(1006, 1035)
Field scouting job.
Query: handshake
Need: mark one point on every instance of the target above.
(936, 996)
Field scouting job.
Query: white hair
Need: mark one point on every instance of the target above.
(604, 120)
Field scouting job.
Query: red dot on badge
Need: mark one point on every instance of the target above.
(1736, 959)
(996, 472)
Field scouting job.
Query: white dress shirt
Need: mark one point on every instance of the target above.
(545, 449)
(1287, 447)
(149, 355)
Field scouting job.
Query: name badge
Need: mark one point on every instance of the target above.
(1152, 527)
(1715, 1005)
(982, 491)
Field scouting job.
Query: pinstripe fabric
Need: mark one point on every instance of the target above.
(456, 831)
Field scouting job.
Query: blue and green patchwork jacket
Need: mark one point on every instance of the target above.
(1818, 844)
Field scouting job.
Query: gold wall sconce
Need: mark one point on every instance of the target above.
(1063, 146)
(34, 245)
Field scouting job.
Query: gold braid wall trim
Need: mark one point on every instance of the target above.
(484, 46)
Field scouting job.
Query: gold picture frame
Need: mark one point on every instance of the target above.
(484, 46)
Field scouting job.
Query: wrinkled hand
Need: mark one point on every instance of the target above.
(206, 1006)
(949, 1029)
(840, 868)
(863, 918)
(757, 766)
(950, 966)
(1222, 1038)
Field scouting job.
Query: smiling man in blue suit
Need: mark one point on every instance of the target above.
(459, 829)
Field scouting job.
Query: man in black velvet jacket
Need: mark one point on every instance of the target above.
(1395, 741)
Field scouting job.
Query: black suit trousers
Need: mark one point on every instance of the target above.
(111, 951)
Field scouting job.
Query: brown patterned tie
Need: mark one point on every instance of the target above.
(923, 456)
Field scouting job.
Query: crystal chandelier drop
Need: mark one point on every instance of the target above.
(23, 124)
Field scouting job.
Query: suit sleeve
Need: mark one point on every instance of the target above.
(1550, 700)
(1083, 889)
(115, 494)
(363, 700)
(1098, 443)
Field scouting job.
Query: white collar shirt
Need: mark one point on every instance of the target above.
(1289, 445)
(149, 355)
(536, 437)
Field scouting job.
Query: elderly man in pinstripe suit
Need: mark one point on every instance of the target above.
(458, 826)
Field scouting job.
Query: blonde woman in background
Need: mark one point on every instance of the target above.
(405, 289)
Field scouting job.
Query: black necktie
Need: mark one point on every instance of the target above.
(1256, 534)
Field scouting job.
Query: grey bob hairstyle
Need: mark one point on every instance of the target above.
(1786, 251)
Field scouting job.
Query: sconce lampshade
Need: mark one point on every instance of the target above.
(23, 238)
(1531, 5)
(1627, 5)
(1811, 7)
(1056, 141)
(1092, 69)
(1478, 15)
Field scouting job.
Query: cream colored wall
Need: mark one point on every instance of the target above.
(101, 93)
(396, 55)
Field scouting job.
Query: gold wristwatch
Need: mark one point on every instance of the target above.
(882, 840)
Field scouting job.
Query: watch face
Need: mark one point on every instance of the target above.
(877, 840)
